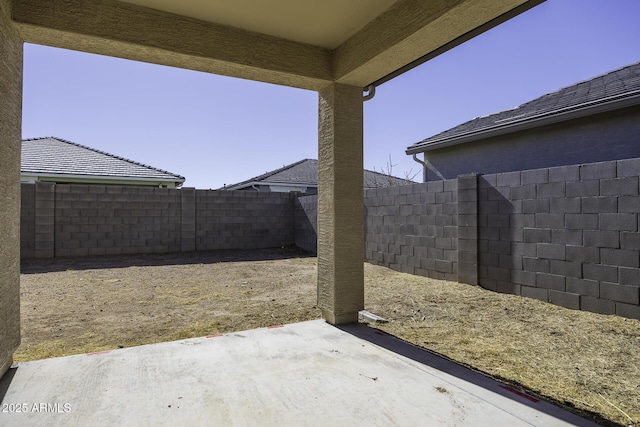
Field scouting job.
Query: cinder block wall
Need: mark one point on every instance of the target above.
(243, 220)
(89, 220)
(115, 220)
(567, 235)
(28, 221)
(306, 224)
(413, 228)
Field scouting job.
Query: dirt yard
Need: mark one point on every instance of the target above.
(585, 361)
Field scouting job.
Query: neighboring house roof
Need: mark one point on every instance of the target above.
(57, 157)
(613, 90)
(305, 173)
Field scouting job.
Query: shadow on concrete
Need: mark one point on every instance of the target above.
(433, 360)
(34, 266)
(5, 381)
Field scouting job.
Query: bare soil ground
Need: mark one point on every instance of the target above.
(585, 361)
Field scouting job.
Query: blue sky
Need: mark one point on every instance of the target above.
(218, 130)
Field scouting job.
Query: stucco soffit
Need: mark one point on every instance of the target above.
(412, 29)
(129, 31)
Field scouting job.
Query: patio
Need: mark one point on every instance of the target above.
(308, 373)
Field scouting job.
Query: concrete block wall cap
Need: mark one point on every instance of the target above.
(367, 317)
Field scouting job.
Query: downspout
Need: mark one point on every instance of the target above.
(415, 157)
(371, 92)
(424, 167)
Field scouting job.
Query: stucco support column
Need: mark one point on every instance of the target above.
(340, 204)
(10, 145)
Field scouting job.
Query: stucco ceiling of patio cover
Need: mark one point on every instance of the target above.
(300, 43)
(301, 21)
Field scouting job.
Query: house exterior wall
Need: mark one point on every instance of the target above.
(10, 144)
(609, 136)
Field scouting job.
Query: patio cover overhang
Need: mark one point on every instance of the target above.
(334, 47)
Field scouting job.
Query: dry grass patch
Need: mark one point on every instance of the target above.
(82, 305)
(587, 361)
(583, 360)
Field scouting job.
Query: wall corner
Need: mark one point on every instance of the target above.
(188, 219)
(468, 229)
(44, 246)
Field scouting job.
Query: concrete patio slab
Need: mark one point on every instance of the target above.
(303, 374)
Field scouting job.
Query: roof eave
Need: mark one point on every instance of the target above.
(176, 180)
(283, 184)
(528, 123)
(104, 153)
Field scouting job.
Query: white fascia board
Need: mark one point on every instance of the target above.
(52, 176)
(286, 188)
(269, 183)
(286, 184)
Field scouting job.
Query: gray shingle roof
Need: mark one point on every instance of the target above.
(55, 156)
(611, 88)
(305, 172)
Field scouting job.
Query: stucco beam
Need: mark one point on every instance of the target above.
(128, 31)
(414, 29)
